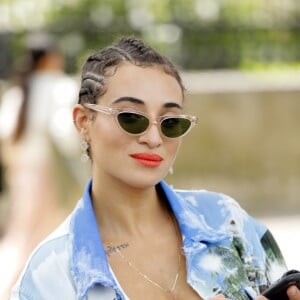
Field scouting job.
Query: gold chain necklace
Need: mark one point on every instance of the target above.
(146, 277)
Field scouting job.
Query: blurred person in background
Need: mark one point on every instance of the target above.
(37, 144)
(1, 174)
(1, 177)
(132, 236)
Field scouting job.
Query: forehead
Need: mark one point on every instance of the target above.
(145, 83)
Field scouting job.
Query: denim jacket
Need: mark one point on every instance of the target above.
(227, 251)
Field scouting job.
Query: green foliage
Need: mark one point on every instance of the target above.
(196, 34)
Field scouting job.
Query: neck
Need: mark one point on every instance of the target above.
(127, 211)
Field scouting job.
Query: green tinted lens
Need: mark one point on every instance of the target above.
(133, 123)
(175, 127)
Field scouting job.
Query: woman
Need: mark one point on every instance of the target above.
(31, 137)
(132, 236)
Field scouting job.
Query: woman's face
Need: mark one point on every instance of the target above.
(138, 161)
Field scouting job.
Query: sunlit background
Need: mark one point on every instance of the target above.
(240, 61)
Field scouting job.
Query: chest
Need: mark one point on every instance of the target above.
(157, 283)
(151, 270)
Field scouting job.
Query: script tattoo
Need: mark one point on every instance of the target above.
(110, 249)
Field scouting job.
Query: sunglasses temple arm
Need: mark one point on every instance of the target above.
(105, 110)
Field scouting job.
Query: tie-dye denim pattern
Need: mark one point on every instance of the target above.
(227, 251)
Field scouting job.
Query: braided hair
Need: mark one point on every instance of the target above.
(104, 63)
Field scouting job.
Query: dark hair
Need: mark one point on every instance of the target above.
(126, 49)
(37, 45)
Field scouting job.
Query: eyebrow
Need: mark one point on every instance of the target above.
(139, 101)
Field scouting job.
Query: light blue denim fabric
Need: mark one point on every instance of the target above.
(226, 250)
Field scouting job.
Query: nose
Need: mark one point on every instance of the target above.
(152, 137)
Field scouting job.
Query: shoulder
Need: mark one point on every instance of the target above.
(53, 249)
(48, 262)
(205, 200)
(219, 211)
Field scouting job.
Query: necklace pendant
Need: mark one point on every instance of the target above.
(172, 296)
(171, 293)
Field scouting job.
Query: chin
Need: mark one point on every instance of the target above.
(143, 182)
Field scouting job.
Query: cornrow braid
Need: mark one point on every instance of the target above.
(142, 53)
(92, 86)
(123, 53)
(105, 62)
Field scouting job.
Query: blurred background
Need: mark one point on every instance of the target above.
(240, 61)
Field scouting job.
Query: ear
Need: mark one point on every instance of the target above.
(81, 119)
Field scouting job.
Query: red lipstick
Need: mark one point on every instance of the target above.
(147, 159)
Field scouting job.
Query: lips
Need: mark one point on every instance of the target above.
(147, 159)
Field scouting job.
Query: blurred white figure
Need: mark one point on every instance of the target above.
(36, 128)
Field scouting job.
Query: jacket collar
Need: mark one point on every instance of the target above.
(193, 226)
(89, 265)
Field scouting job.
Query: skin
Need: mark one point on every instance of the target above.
(111, 179)
(128, 210)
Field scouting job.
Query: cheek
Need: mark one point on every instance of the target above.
(111, 143)
(107, 137)
(172, 149)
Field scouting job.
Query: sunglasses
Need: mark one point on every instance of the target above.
(137, 123)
